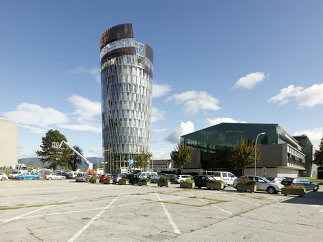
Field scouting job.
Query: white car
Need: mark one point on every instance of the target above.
(182, 178)
(3, 177)
(55, 177)
(15, 173)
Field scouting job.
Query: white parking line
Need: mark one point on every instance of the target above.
(91, 221)
(235, 198)
(176, 230)
(20, 216)
(321, 211)
(211, 204)
(91, 209)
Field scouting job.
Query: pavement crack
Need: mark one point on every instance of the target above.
(33, 234)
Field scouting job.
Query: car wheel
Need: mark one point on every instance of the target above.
(271, 190)
(50, 178)
(181, 181)
(315, 188)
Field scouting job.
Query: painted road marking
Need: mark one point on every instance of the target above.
(223, 210)
(91, 221)
(235, 198)
(91, 209)
(42, 208)
(176, 230)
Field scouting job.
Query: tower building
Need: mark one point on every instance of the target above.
(126, 86)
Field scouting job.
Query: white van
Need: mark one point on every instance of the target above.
(147, 174)
(225, 176)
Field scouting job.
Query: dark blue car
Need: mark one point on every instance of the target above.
(309, 185)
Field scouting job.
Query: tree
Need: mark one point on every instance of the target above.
(181, 155)
(53, 156)
(318, 155)
(74, 160)
(243, 154)
(142, 159)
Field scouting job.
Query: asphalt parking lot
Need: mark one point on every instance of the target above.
(70, 211)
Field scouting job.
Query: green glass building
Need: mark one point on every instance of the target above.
(281, 154)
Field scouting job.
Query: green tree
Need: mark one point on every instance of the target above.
(143, 159)
(318, 155)
(244, 154)
(74, 160)
(181, 155)
(53, 156)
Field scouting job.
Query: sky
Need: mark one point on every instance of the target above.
(214, 61)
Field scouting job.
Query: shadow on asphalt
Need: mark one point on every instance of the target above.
(310, 198)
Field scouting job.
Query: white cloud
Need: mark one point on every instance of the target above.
(222, 120)
(161, 154)
(94, 152)
(82, 127)
(35, 117)
(38, 119)
(250, 80)
(315, 135)
(159, 130)
(157, 115)
(95, 72)
(195, 101)
(85, 109)
(160, 90)
(184, 128)
(305, 97)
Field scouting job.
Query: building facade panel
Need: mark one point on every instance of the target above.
(126, 86)
(216, 143)
(8, 143)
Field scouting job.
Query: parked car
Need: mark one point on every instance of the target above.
(133, 178)
(275, 179)
(82, 177)
(182, 178)
(28, 176)
(309, 185)
(225, 176)
(103, 176)
(70, 175)
(262, 184)
(201, 181)
(54, 176)
(171, 177)
(116, 178)
(3, 177)
(147, 174)
(154, 178)
(15, 173)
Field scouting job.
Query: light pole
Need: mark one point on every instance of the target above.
(256, 151)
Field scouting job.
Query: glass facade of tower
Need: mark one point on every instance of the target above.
(126, 85)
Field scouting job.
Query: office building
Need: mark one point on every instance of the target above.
(126, 84)
(281, 154)
(8, 143)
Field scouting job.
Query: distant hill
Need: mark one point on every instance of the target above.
(36, 162)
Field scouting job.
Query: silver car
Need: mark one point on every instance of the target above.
(263, 184)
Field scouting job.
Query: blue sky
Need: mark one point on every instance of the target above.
(235, 61)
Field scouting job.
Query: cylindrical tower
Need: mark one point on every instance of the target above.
(126, 85)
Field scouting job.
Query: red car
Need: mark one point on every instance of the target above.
(104, 176)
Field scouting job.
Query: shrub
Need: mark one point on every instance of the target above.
(94, 178)
(163, 179)
(124, 180)
(215, 181)
(189, 181)
(295, 187)
(107, 178)
(144, 179)
(248, 181)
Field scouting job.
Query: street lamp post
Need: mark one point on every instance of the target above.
(256, 151)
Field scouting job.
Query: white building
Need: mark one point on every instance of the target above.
(8, 143)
